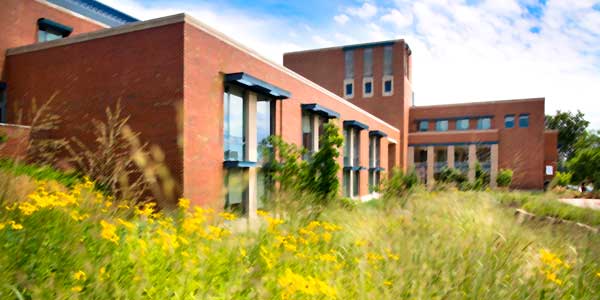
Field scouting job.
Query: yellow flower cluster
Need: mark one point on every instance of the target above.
(552, 264)
(293, 284)
(12, 224)
(109, 231)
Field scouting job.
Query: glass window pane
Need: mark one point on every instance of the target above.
(356, 147)
(349, 64)
(484, 123)
(321, 122)
(349, 89)
(387, 86)
(346, 183)
(264, 127)
(524, 121)
(235, 187)
(377, 152)
(307, 131)
(371, 152)
(368, 62)
(387, 62)
(355, 183)
(423, 125)
(462, 124)
(347, 146)
(368, 87)
(233, 125)
(509, 121)
(441, 125)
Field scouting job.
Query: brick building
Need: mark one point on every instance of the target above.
(208, 101)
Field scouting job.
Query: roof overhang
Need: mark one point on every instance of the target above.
(355, 124)
(318, 109)
(252, 83)
(47, 24)
(377, 133)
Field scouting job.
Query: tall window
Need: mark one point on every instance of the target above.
(509, 121)
(264, 126)
(484, 123)
(368, 62)
(234, 143)
(374, 162)
(307, 133)
(351, 161)
(523, 121)
(462, 124)
(49, 30)
(349, 64)
(461, 158)
(484, 154)
(387, 60)
(441, 125)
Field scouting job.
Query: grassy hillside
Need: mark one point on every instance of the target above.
(70, 243)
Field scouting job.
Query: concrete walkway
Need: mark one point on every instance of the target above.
(586, 203)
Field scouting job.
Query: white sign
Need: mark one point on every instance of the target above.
(549, 170)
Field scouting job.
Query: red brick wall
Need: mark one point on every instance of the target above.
(18, 20)
(520, 149)
(326, 68)
(16, 141)
(142, 69)
(207, 59)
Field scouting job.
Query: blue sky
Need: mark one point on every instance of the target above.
(463, 50)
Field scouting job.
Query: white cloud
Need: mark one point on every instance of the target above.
(461, 52)
(341, 19)
(366, 11)
(397, 18)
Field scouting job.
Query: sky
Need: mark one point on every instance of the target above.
(463, 50)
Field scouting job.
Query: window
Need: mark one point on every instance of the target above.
(484, 123)
(307, 133)
(423, 125)
(484, 155)
(236, 184)
(421, 163)
(349, 64)
(49, 30)
(368, 87)
(462, 124)
(348, 88)
(264, 126)
(368, 62)
(461, 158)
(387, 60)
(441, 159)
(388, 85)
(509, 121)
(374, 162)
(234, 143)
(523, 121)
(351, 159)
(441, 125)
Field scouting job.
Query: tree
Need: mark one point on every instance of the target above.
(589, 139)
(585, 166)
(570, 127)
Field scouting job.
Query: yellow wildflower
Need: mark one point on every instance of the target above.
(387, 283)
(15, 226)
(102, 274)
(184, 203)
(79, 276)
(261, 213)
(326, 237)
(2, 225)
(327, 257)
(243, 252)
(109, 232)
(227, 216)
(77, 217)
(273, 223)
(293, 283)
(552, 277)
(127, 224)
(77, 289)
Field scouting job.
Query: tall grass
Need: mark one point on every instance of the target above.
(75, 243)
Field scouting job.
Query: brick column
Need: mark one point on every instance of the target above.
(494, 165)
(251, 200)
(450, 155)
(472, 161)
(411, 157)
(430, 165)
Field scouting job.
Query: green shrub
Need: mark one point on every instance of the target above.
(452, 175)
(398, 186)
(504, 178)
(561, 179)
(557, 209)
(67, 179)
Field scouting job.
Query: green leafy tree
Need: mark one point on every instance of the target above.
(570, 127)
(585, 166)
(504, 178)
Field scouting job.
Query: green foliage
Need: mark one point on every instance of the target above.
(557, 209)
(585, 166)
(452, 175)
(316, 176)
(504, 178)
(570, 127)
(481, 182)
(561, 179)
(399, 186)
(46, 173)
(3, 137)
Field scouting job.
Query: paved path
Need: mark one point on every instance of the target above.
(587, 203)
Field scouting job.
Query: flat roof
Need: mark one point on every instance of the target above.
(489, 102)
(351, 46)
(184, 18)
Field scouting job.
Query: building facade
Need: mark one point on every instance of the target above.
(207, 102)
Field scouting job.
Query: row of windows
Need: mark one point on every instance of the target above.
(368, 62)
(483, 123)
(387, 87)
(351, 178)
